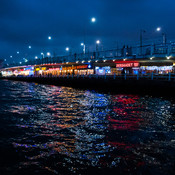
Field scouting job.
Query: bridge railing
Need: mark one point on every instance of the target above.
(150, 76)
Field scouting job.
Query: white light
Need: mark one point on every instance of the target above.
(11, 56)
(67, 62)
(5, 60)
(98, 42)
(104, 60)
(113, 60)
(82, 44)
(96, 61)
(42, 53)
(30, 47)
(49, 37)
(168, 57)
(20, 62)
(158, 29)
(26, 60)
(89, 61)
(93, 19)
(83, 61)
(67, 48)
(48, 53)
(76, 61)
(17, 52)
(36, 57)
(151, 58)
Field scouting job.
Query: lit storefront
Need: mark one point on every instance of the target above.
(85, 69)
(126, 67)
(103, 70)
(158, 67)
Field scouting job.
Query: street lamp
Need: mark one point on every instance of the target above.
(36, 57)
(98, 42)
(30, 47)
(17, 52)
(49, 37)
(158, 29)
(164, 38)
(42, 54)
(67, 49)
(141, 40)
(48, 54)
(93, 19)
(84, 47)
(11, 56)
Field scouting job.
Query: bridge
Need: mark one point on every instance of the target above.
(145, 52)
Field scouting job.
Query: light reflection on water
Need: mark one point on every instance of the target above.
(59, 130)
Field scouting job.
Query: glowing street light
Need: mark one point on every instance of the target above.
(48, 54)
(98, 42)
(84, 47)
(67, 49)
(93, 20)
(36, 57)
(158, 29)
(49, 37)
(42, 54)
(30, 47)
(17, 52)
(11, 56)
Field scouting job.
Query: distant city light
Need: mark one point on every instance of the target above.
(49, 37)
(42, 53)
(30, 47)
(17, 52)
(11, 56)
(36, 57)
(158, 29)
(82, 44)
(98, 42)
(67, 48)
(93, 19)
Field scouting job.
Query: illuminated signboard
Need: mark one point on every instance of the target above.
(76, 67)
(43, 68)
(54, 68)
(127, 65)
(37, 69)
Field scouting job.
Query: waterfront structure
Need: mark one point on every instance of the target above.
(158, 59)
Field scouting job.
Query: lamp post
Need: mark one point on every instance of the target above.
(92, 20)
(84, 47)
(141, 40)
(97, 44)
(164, 37)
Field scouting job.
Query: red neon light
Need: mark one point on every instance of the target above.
(132, 64)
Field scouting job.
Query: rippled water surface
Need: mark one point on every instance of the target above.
(58, 130)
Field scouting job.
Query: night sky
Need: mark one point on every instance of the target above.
(30, 22)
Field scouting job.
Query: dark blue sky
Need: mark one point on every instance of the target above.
(30, 22)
